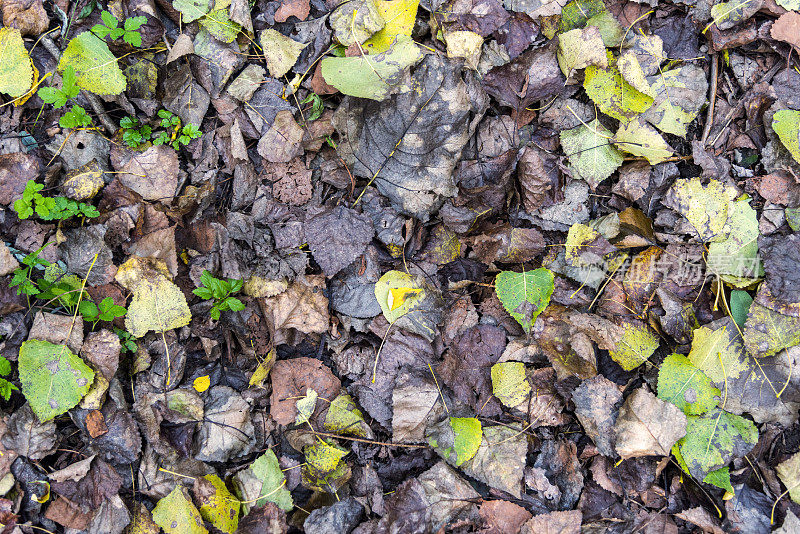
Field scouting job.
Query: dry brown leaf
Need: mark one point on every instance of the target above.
(290, 381)
(303, 306)
(554, 523)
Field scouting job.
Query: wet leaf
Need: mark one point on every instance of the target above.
(509, 383)
(355, 22)
(579, 48)
(525, 295)
(344, 417)
(679, 95)
(192, 10)
(726, 15)
(590, 153)
(456, 439)
(789, 473)
(714, 354)
(712, 440)
(686, 386)
(786, 124)
(612, 94)
(399, 16)
(281, 52)
(740, 306)
(637, 343)
(95, 66)
(406, 301)
(374, 77)
(500, 459)
(640, 139)
(263, 482)
(736, 259)
(176, 514)
(648, 426)
(217, 505)
(767, 332)
(705, 207)
(158, 304)
(16, 69)
(53, 378)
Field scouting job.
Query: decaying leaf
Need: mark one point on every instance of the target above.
(16, 69)
(705, 207)
(647, 426)
(176, 514)
(456, 439)
(158, 304)
(686, 386)
(509, 383)
(590, 153)
(612, 94)
(263, 482)
(95, 66)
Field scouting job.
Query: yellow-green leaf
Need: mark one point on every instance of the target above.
(344, 417)
(219, 24)
(714, 354)
(509, 383)
(16, 69)
(767, 332)
(579, 48)
(640, 139)
(456, 439)
(53, 378)
(590, 153)
(176, 514)
(263, 482)
(95, 66)
(217, 505)
(525, 295)
(612, 94)
(305, 407)
(786, 124)
(735, 259)
(705, 207)
(398, 293)
(687, 387)
(637, 344)
(158, 304)
(281, 52)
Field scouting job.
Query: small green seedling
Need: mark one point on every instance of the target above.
(6, 387)
(179, 135)
(59, 97)
(316, 106)
(76, 118)
(21, 278)
(221, 292)
(134, 133)
(126, 340)
(105, 311)
(50, 208)
(129, 31)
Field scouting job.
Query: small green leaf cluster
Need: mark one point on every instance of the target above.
(50, 208)
(316, 106)
(126, 340)
(6, 387)
(111, 28)
(180, 134)
(105, 311)
(134, 133)
(77, 116)
(21, 277)
(221, 291)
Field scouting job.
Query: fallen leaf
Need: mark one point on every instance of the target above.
(509, 383)
(686, 386)
(281, 51)
(502, 517)
(590, 153)
(176, 514)
(217, 505)
(456, 439)
(647, 426)
(290, 381)
(612, 94)
(95, 66)
(25, 436)
(525, 295)
(579, 48)
(595, 405)
(226, 428)
(337, 237)
(705, 207)
(500, 459)
(554, 523)
(640, 139)
(28, 16)
(786, 124)
(263, 482)
(399, 16)
(16, 73)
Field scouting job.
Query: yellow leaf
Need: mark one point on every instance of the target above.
(158, 304)
(262, 371)
(201, 383)
(16, 69)
(398, 296)
(399, 16)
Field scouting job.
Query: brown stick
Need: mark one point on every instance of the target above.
(712, 99)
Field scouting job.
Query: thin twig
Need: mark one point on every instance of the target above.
(712, 99)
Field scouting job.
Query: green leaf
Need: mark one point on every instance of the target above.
(344, 417)
(16, 69)
(204, 293)
(6, 388)
(95, 66)
(134, 23)
(740, 306)
(579, 48)
(610, 29)
(735, 259)
(234, 304)
(192, 9)
(176, 514)
(369, 76)
(109, 19)
(263, 482)
(219, 508)
(133, 38)
(53, 378)
(576, 13)
(637, 344)
(712, 440)
(5, 366)
(640, 139)
(305, 407)
(714, 354)
(88, 310)
(705, 207)
(613, 95)
(219, 24)
(281, 52)
(509, 383)
(456, 439)
(720, 478)
(786, 124)
(525, 295)
(767, 332)
(590, 153)
(686, 386)
(679, 95)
